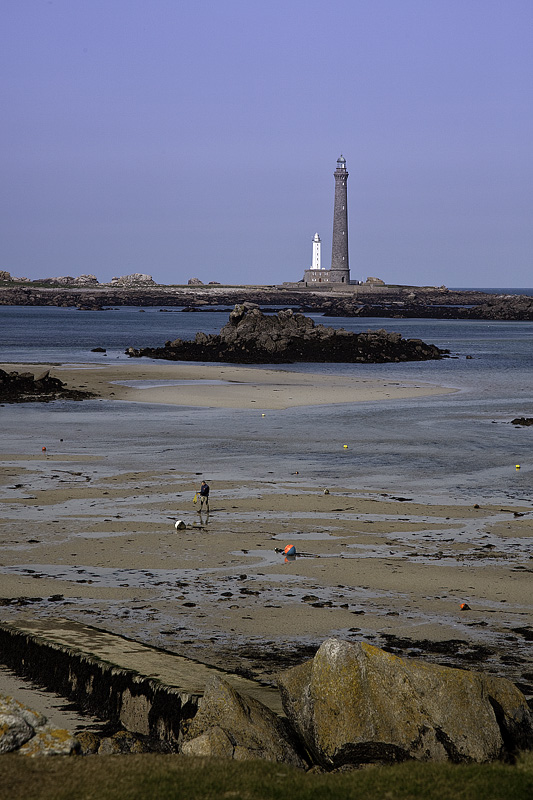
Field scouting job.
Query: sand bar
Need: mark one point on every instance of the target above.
(216, 386)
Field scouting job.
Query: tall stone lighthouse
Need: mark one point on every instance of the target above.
(340, 270)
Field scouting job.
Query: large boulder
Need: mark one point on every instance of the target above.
(49, 741)
(122, 742)
(14, 732)
(25, 731)
(355, 704)
(8, 705)
(231, 725)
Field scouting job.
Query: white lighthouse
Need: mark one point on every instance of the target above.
(317, 259)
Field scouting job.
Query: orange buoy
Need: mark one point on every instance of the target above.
(290, 550)
(465, 607)
(44, 449)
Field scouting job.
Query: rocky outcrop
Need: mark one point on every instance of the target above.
(506, 307)
(28, 733)
(365, 300)
(355, 704)
(213, 295)
(24, 387)
(252, 337)
(135, 279)
(85, 280)
(525, 421)
(409, 307)
(59, 280)
(231, 725)
(148, 295)
(352, 704)
(423, 303)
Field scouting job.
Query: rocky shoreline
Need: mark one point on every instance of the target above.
(360, 301)
(352, 704)
(252, 337)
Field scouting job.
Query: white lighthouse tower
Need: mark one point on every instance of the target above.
(317, 259)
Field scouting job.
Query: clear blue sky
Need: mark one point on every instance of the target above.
(198, 138)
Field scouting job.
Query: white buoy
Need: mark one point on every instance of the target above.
(180, 525)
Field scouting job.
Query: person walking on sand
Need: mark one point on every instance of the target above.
(204, 497)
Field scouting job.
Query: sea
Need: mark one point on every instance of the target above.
(459, 447)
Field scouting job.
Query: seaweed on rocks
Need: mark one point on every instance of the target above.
(251, 337)
(24, 387)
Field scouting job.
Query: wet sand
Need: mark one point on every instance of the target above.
(227, 386)
(106, 552)
(98, 545)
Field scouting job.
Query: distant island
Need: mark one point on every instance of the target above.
(373, 298)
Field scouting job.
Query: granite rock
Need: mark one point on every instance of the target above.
(48, 741)
(26, 731)
(122, 742)
(356, 704)
(231, 725)
(14, 732)
(8, 705)
(135, 279)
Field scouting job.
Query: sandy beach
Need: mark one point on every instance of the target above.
(226, 386)
(98, 544)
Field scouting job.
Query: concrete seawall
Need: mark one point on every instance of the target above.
(147, 691)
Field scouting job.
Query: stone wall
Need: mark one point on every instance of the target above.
(140, 704)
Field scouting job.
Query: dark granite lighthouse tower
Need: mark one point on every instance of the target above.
(340, 270)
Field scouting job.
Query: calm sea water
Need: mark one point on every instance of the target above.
(458, 447)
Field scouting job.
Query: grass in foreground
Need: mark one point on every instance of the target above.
(164, 777)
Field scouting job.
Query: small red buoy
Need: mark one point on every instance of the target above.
(465, 607)
(44, 449)
(290, 550)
